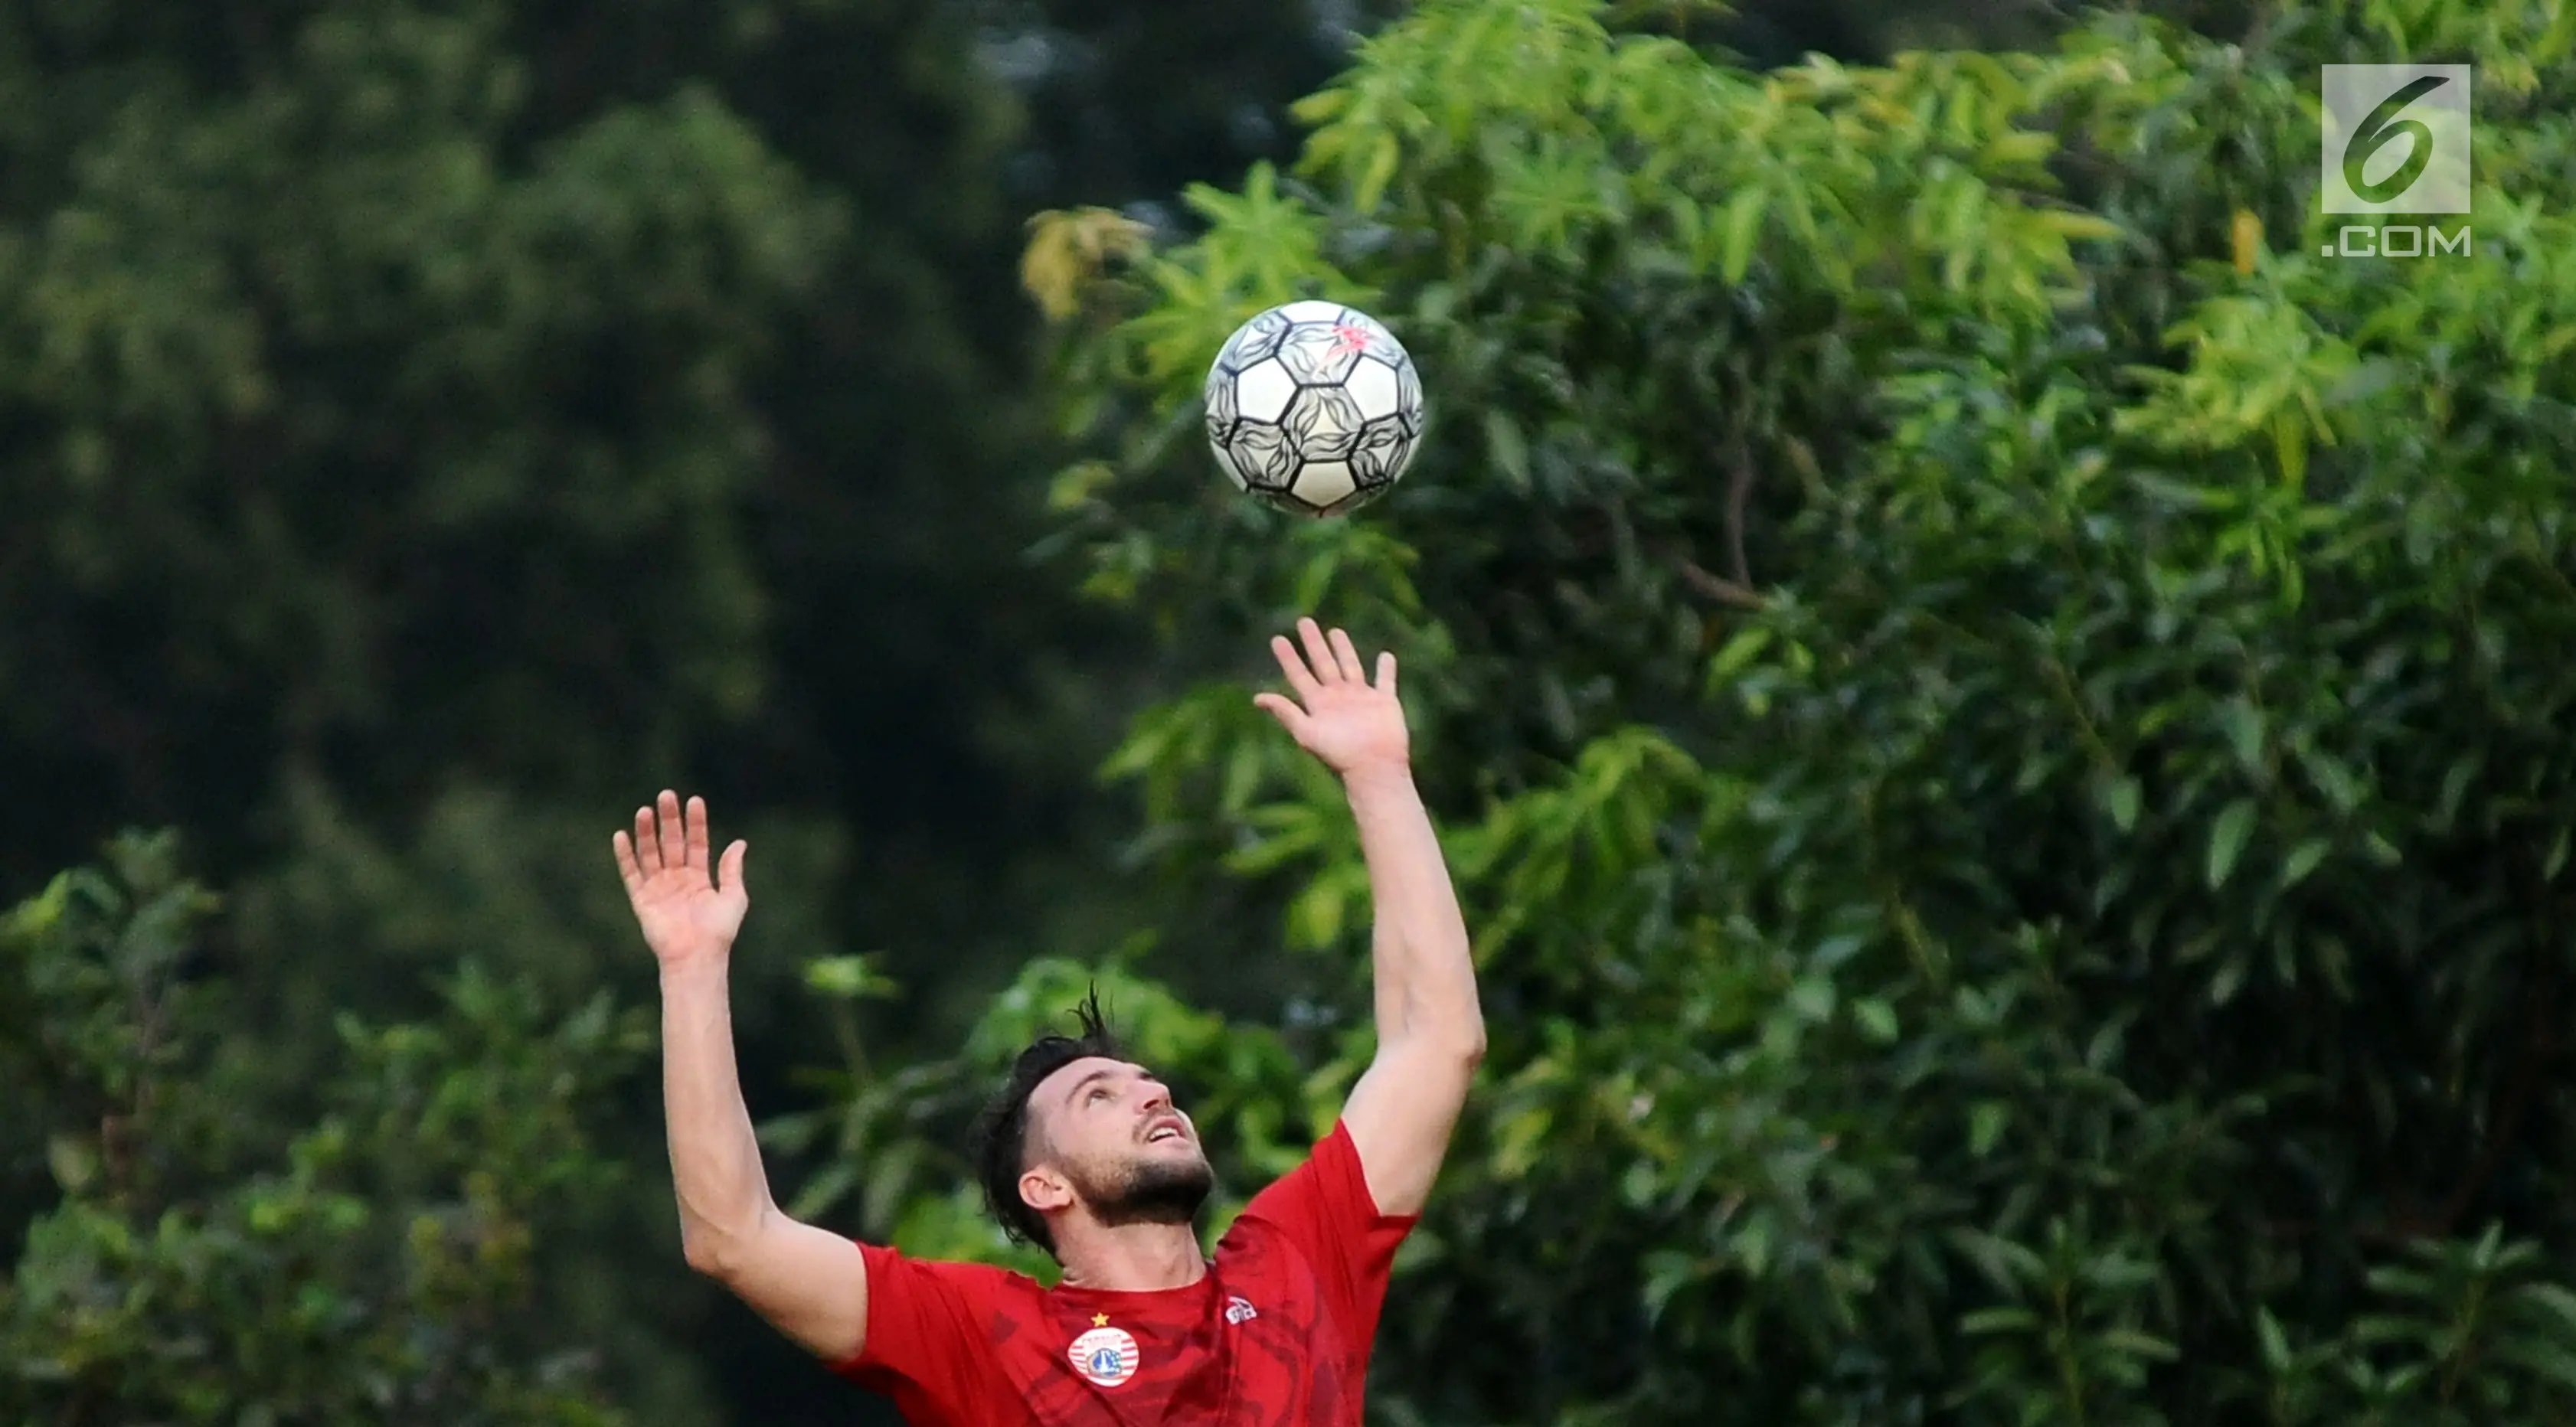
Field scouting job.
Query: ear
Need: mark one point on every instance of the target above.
(1045, 1190)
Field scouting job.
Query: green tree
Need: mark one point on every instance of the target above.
(2000, 717)
(427, 429)
(373, 1265)
(378, 404)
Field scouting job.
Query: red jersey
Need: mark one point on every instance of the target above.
(1276, 1334)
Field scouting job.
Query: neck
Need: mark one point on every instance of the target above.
(1132, 1258)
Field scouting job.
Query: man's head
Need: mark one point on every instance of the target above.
(1079, 1130)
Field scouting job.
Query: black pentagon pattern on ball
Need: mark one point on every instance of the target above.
(1324, 484)
(1264, 455)
(1408, 392)
(1281, 500)
(1373, 389)
(1323, 421)
(1346, 504)
(1259, 338)
(1317, 353)
(1314, 402)
(1378, 456)
(1381, 342)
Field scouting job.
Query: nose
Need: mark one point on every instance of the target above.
(1158, 1097)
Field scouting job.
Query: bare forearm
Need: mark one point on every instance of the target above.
(715, 1156)
(1425, 973)
(810, 1282)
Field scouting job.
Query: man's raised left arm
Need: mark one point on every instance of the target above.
(1431, 1031)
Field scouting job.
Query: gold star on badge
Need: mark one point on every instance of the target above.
(1099, 1320)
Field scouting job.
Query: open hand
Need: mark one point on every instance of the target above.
(683, 914)
(1338, 715)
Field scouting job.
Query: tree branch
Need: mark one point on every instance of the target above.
(1718, 588)
(1739, 489)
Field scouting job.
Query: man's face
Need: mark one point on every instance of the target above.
(1104, 1135)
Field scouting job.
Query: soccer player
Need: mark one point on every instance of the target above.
(1084, 1154)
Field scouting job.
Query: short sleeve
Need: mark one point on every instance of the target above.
(929, 1339)
(1324, 1208)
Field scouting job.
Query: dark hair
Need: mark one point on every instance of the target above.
(1000, 1140)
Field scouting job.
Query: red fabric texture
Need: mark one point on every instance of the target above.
(1277, 1333)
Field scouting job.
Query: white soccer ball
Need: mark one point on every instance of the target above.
(1314, 407)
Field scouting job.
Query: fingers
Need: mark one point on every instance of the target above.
(1347, 657)
(673, 834)
(696, 833)
(1327, 658)
(648, 844)
(1318, 654)
(1293, 666)
(666, 836)
(628, 870)
(1291, 717)
(729, 871)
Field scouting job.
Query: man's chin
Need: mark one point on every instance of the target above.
(1165, 1187)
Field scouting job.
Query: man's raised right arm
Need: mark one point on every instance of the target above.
(810, 1283)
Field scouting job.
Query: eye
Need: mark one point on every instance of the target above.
(1098, 1094)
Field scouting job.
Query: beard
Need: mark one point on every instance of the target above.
(1152, 1191)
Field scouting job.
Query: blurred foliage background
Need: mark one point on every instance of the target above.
(2003, 725)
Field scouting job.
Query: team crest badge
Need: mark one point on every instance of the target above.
(1104, 1355)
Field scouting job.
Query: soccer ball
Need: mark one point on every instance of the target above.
(1314, 407)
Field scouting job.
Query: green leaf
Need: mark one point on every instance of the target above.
(1667, 1273)
(2139, 1345)
(2229, 980)
(2121, 797)
(74, 1162)
(1986, 1322)
(2275, 1344)
(2227, 841)
(1384, 157)
(2244, 725)
(1877, 1020)
(1987, 1121)
(1737, 655)
(848, 978)
(2343, 790)
(1510, 453)
(1738, 228)
(2303, 860)
(2079, 226)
